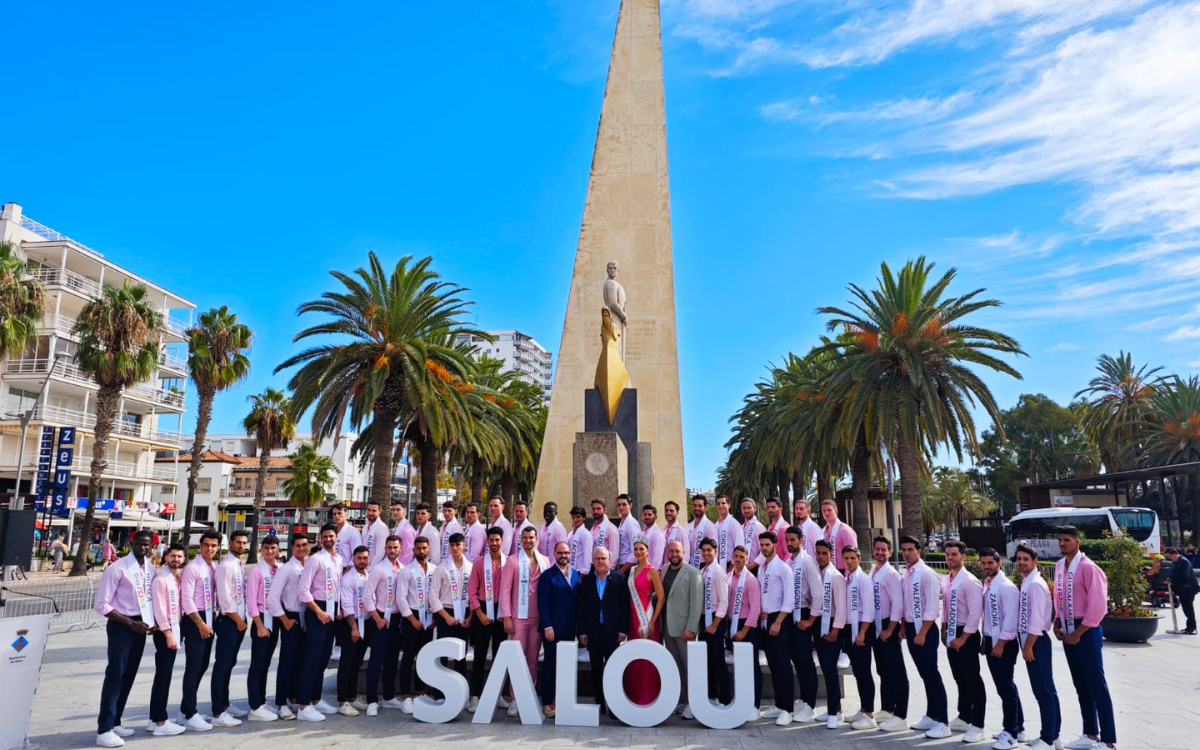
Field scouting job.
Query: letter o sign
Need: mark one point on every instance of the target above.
(614, 686)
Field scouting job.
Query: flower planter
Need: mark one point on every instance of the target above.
(1129, 629)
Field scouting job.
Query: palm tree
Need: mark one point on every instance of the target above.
(956, 498)
(270, 423)
(1118, 403)
(1172, 436)
(393, 357)
(217, 360)
(22, 302)
(312, 474)
(909, 371)
(117, 350)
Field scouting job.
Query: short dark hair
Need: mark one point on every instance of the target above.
(742, 549)
(338, 506)
(768, 535)
(1027, 549)
(706, 542)
(531, 529)
(550, 504)
(496, 531)
(299, 538)
(624, 496)
(394, 538)
(272, 539)
(1068, 530)
(420, 539)
(472, 505)
(795, 531)
(851, 548)
(421, 506)
(177, 547)
(362, 548)
(651, 508)
(773, 499)
(989, 552)
(823, 543)
(146, 533)
(1172, 551)
(455, 538)
(329, 527)
(234, 534)
(955, 544)
(521, 502)
(884, 540)
(210, 534)
(672, 503)
(909, 539)
(580, 512)
(376, 503)
(700, 497)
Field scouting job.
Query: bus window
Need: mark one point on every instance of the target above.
(1091, 526)
(1137, 523)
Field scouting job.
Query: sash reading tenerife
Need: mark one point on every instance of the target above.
(510, 664)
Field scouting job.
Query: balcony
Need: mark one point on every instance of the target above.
(170, 399)
(69, 280)
(126, 469)
(177, 327)
(59, 325)
(57, 415)
(62, 369)
(269, 494)
(173, 362)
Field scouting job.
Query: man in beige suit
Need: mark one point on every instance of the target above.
(684, 592)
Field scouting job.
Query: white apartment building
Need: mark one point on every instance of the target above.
(46, 379)
(520, 352)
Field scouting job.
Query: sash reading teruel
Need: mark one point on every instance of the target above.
(855, 602)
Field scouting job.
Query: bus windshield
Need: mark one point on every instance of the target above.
(1091, 526)
(1137, 523)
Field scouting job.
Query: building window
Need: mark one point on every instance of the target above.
(200, 513)
(168, 490)
(204, 484)
(20, 401)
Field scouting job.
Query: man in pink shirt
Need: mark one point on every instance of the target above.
(450, 525)
(887, 586)
(518, 588)
(486, 600)
(264, 629)
(921, 587)
(699, 529)
(351, 631)
(727, 533)
(496, 520)
(745, 608)
(375, 532)
(827, 617)
(777, 526)
(1035, 619)
(385, 586)
(628, 528)
(801, 517)
(604, 533)
(319, 583)
(124, 598)
(675, 531)
(404, 530)
(1080, 603)
(423, 515)
(751, 528)
(167, 613)
(196, 594)
(552, 531)
(858, 638)
(962, 607)
(348, 537)
(283, 602)
(580, 542)
(838, 534)
(474, 535)
(520, 523)
(230, 628)
(654, 537)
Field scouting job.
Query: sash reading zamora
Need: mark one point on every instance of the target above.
(510, 663)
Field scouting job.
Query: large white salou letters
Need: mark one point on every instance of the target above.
(720, 717)
(451, 684)
(661, 708)
(510, 663)
(569, 712)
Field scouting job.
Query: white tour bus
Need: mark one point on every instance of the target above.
(1039, 528)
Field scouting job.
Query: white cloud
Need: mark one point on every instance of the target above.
(1184, 333)
(1065, 346)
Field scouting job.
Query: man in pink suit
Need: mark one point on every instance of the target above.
(518, 588)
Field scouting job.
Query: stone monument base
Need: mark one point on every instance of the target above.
(600, 469)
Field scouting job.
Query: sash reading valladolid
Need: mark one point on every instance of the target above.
(510, 663)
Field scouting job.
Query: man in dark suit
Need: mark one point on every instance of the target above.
(1183, 582)
(556, 609)
(602, 616)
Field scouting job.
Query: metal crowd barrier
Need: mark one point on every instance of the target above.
(69, 601)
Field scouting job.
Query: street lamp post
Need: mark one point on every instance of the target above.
(18, 503)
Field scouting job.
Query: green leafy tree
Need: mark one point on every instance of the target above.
(270, 424)
(22, 303)
(956, 499)
(312, 475)
(116, 349)
(217, 347)
(1117, 403)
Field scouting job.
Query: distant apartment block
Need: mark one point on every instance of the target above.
(520, 353)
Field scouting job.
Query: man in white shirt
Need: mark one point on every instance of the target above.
(352, 631)
(727, 534)
(319, 596)
(806, 578)
(776, 602)
(629, 528)
(375, 532)
(699, 529)
(520, 523)
(674, 531)
(474, 534)
(450, 600)
(656, 543)
(714, 622)
(284, 605)
(801, 517)
(385, 586)
(1001, 615)
(889, 657)
(424, 527)
(552, 531)
(751, 528)
(580, 541)
(450, 525)
(827, 616)
(496, 520)
(348, 537)
(604, 533)
(230, 629)
(416, 631)
(962, 607)
(403, 528)
(264, 629)
(858, 638)
(777, 525)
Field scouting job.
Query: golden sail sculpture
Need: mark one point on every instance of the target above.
(611, 376)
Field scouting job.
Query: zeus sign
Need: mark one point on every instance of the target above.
(510, 663)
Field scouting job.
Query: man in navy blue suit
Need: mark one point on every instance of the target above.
(602, 616)
(556, 608)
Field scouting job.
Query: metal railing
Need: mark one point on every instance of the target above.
(171, 361)
(60, 415)
(157, 395)
(60, 324)
(270, 494)
(68, 279)
(175, 326)
(53, 236)
(127, 469)
(41, 366)
(70, 602)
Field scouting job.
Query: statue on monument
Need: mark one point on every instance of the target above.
(614, 301)
(611, 376)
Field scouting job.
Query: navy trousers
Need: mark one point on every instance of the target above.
(164, 665)
(964, 666)
(262, 650)
(412, 641)
(229, 640)
(778, 651)
(197, 652)
(318, 646)
(291, 657)
(801, 654)
(893, 674)
(860, 664)
(827, 654)
(1002, 675)
(484, 637)
(1086, 662)
(718, 672)
(350, 663)
(925, 658)
(125, 649)
(380, 640)
(753, 639)
(1041, 679)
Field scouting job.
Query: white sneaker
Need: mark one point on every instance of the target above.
(237, 711)
(754, 715)
(122, 731)
(882, 716)
(325, 707)
(729, 657)
(168, 729)
(783, 719)
(843, 660)
(822, 717)
(346, 709)
(958, 725)
(150, 727)
(472, 704)
(1021, 738)
(225, 720)
(833, 721)
(1040, 744)
(406, 705)
(197, 724)
(894, 724)
(687, 713)
(286, 714)
(855, 717)
(803, 715)
(974, 734)
(359, 703)
(336, 655)
(816, 659)
(866, 722)
(770, 712)
(109, 739)
(391, 703)
(372, 709)
(924, 725)
(1082, 742)
(502, 702)
(310, 713)
(1004, 742)
(512, 709)
(939, 731)
(262, 713)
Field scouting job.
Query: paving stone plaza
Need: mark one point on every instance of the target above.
(1153, 687)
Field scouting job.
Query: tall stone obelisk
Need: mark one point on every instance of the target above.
(626, 218)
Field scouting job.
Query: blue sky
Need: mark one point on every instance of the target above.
(1047, 149)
